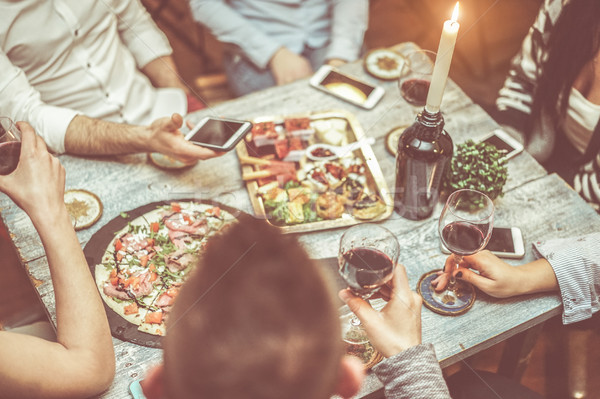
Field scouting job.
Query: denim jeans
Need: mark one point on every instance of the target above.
(244, 77)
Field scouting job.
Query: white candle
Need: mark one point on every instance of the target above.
(442, 63)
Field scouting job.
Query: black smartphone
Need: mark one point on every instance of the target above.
(504, 142)
(353, 90)
(219, 134)
(505, 242)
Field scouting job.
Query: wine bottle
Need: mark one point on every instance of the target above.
(424, 153)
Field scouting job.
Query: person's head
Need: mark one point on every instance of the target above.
(256, 319)
(573, 44)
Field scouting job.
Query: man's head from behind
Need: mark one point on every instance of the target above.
(256, 319)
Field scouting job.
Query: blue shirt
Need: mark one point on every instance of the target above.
(261, 27)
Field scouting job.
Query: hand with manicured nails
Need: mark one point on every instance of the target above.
(398, 325)
(497, 278)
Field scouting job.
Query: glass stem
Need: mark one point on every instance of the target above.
(452, 283)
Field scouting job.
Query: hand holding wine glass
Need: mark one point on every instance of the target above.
(10, 146)
(367, 257)
(465, 227)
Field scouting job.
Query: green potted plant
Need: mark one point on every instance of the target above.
(478, 166)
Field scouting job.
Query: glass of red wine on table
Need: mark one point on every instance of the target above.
(465, 227)
(414, 84)
(10, 146)
(367, 257)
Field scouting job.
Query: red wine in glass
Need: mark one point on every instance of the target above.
(9, 156)
(365, 270)
(415, 91)
(462, 238)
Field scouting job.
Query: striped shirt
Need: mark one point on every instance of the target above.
(413, 373)
(576, 264)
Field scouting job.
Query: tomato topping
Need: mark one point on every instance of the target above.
(153, 277)
(144, 260)
(113, 273)
(118, 245)
(187, 219)
(216, 211)
(150, 242)
(152, 268)
(154, 227)
(175, 207)
(131, 309)
(154, 317)
(114, 281)
(119, 256)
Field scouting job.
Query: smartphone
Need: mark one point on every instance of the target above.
(218, 133)
(351, 89)
(505, 242)
(504, 142)
(135, 389)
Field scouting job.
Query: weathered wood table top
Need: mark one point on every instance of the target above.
(542, 205)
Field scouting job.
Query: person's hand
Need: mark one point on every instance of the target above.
(287, 66)
(398, 325)
(167, 139)
(335, 62)
(495, 277)
(37, 185)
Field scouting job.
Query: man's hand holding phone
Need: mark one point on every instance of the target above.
(218, 134)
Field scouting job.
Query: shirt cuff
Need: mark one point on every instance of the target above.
(414, 372)
(51, 124)
(571, 265)
(343, 49)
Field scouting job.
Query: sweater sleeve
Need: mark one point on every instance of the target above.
(413, 373)
(576, 264)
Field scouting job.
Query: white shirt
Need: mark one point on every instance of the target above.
(581, 119)
(261, 27)
(60, 58)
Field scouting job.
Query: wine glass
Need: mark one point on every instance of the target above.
(367, 257)
(414, 84)
(10, 145)
(465, 227)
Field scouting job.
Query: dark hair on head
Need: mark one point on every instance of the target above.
(256, 319)
(573, 43)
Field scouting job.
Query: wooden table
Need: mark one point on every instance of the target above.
(542, 205)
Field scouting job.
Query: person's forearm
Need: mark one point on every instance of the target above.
(538, 276)
(162, 72)
(81, 319)
(87, 136)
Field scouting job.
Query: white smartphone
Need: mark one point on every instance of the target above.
(220, 134)
(348, 88)
(505, 242)
(504, 142)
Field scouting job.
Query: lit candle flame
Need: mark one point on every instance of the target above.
(455, 13)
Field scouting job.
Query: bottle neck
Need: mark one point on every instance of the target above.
(430, 119)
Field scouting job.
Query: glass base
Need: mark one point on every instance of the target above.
(449, 303)
(353, 331)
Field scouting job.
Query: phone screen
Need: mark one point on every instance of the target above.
(501, 240)
(499, 143)
(347, 87)
(216, 132)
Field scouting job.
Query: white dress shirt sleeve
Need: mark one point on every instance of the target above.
(350, 20)
(576, 263)
(139, 32)
(229, 26)
(21, 102)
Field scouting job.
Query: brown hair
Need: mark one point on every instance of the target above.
(573, 43)
(255, 320)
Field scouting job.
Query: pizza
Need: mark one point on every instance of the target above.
(144, 267)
